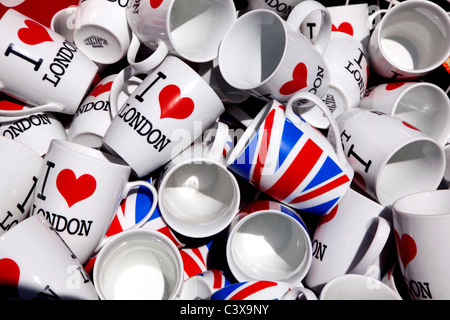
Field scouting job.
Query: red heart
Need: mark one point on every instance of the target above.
(343, 27)
(34, 34)
(406, 247)
(409, 125)
(75, 190)
(394, 85)
(9, 278)
(101, 88)
(9, 105)
(155, 3)
(172, 106)
(299, 77)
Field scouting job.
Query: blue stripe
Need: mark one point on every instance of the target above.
(321, 208)
(328, 170)
(291, 135)
(292, 214)
(144, 201)
(243, 164)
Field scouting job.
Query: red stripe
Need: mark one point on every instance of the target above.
(300, 167)
(263, 148)
(115, 227)
(168, 233)
(217, 279)
(334, 184)
(251, 289)
(190, 266)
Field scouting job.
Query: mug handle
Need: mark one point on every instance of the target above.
(128, 187)
(371, 18)
(219, 133)
(376, 246)
(301, 12)
(295, 118)
(299, 292)
(142, 67)
(50, 107)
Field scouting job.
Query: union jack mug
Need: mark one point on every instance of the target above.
(291, 161)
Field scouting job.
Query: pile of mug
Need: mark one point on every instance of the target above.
(174, 149)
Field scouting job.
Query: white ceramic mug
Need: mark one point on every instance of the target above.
(420, 227)
(57, 74)
(348, 240)
(168, 111)
(422, 104)
(102, 31)
(397, 53)
(268, 56)
(391, 158)
(347, 60)
(268, 241)
(357, 287)
(93, 117)
(139, 265)
(20, 167)
(63, 22)
(36, 264)
(198, 195)
(77, 181)
(35, 130)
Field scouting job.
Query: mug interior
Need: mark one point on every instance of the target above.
(199, 198)
(141, 267)
(269, 245)
(415, 36)
(197, 27)
(417, 166)
(252, 49)
(427, 108)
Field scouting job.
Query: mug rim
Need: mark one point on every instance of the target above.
(399, 210)
(122, 239)
(293, 277)
(194, 228)
(418, 139)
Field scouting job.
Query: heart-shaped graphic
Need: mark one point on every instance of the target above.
(9, 278)
(101, 88)
(10, 105)
(298, 81)
(344, 27)
(409, 125)
(172, 106)
(34, 34)
(406, 246)
(394, 85)
(11, 3)
(75, 190)
(155, 3)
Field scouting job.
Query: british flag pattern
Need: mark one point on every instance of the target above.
(284, 162)
(252, 290)
(134, 208)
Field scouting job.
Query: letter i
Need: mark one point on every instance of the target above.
(160, 76)
(41, 194)
(37, 64)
